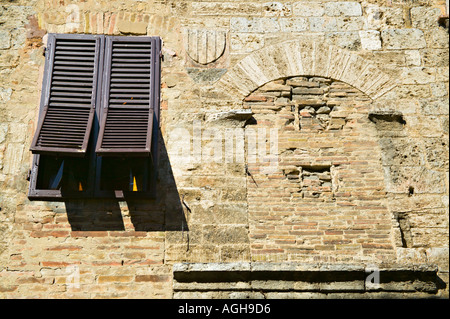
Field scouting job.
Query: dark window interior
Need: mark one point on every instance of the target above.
(63, 173)
(126, 174)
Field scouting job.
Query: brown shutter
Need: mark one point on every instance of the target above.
(130, 96)
(68, 95)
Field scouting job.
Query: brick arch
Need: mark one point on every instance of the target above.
(306, 58)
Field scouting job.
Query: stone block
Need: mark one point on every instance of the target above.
(418, 75)
(437, 38)
(301, 82)
(245, 42)
(5, 39)
(322, 24)
(307, 91)
(3, 132)
(412, 58)
(271, 65)
(399, 39)
(129, 27)
(13, 158)
(202, 8)
(219, 214)
(294, 64)
(205, 75)
(277, 9)
(439, 90)
(18, 132)
(439, 256)
(425, 17)
(258, 25)
(350, 23)
(293, 24)
(435, 107)
(343, 8)
(5, 94)
(401, 179)
(435, 57)
(308, 9)
(349, 40)
(370, 40)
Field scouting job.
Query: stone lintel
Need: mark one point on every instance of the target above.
(303, 277)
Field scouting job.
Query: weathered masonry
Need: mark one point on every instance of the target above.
(224, 149)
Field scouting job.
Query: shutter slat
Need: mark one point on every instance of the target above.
(130, 56)
(68, 84)
(132, 50)
(76, 42)
(85, 75)
(60, 63)
(132, 71)
(114, 90)
(130, 75)
(66, 122)
(74, 94)
(75, 48)
(126, 80)
(79, 68)
(75, 53)
(129, 100)
(71, 105)
(74, 78)
(57, 89)
(75, 59)
(131, 65)
(69, 99)
(142, 85)
(135, 60)
(130, 45)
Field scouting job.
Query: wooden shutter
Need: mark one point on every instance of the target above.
(68, 95)
(130, 96)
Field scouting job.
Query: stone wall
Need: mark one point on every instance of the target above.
(356, 95)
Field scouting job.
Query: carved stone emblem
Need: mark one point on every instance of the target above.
(204, 46)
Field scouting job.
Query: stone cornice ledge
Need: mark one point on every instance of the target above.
(289, 277)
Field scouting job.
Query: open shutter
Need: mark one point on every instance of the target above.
(69, 95)
(130, 96)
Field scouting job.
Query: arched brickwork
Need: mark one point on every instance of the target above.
(308, 57)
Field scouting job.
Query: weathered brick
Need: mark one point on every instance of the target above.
(152, 278)
(114, 279)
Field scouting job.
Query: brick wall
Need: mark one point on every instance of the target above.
(357, 93)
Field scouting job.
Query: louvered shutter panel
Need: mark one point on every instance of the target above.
(69, 95)
(130, 96)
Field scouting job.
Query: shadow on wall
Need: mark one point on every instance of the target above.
(165, 213)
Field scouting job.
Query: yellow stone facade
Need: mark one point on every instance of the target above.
(355, 93)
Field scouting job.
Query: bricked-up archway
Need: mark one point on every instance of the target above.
(307, 57)
(326, 200)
